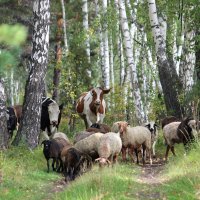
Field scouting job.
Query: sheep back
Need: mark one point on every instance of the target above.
(168, 120)
(81, 135)
(101, 128)
(170, 133)
(109, 144)
(60, 135)
(89, 144)
(136, 136)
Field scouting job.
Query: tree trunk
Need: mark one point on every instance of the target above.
(168, 77)
(112, 64)
(86, 27)
(58, 49)
(29, 128)
(64, 26)
(197, 54)
(3, 120)
(188, 62)
(106, 71)
(129, 55)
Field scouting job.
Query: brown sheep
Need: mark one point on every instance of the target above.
(99, 128)
(74, 162)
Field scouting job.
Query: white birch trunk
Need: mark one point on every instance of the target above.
(163, 27)
(121, 60)
(167, 73)
(12, 87)
(106, 72)
(129, 54)
(180, 49)
(112, 64)
(3, 119)
(188, 62)
(133, 12)
(86, 27)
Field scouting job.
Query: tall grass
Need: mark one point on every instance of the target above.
(108, 183)
(24, 175)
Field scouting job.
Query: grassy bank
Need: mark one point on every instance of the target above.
(23, 175)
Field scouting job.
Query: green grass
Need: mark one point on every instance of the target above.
(182, 175)
(24, 175)
(108, 183)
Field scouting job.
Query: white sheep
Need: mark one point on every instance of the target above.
(134, 138)
(179, 132)
(109, 147)
(89, 145)
(60, 135)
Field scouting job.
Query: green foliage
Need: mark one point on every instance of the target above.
(157, 108)
(12, 35)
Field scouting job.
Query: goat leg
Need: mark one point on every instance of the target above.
(167, 151)
(136, 153)
(48, 165)
(172, 150)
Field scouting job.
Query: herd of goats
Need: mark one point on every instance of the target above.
(103, 144)
(99, 142)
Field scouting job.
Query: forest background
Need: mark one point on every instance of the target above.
(150, 59)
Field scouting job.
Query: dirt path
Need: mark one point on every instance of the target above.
(150, 175)
(58, 186)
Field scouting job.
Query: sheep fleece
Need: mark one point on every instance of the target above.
(109, 144)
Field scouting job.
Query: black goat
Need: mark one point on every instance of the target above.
(52, 150)
(185, 132)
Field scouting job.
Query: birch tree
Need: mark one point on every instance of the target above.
(3, 119)
(86, 27)
(29, 128)
(105, 58)
(129, 55)
(167, 73)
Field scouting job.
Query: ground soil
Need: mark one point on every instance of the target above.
(151, 176)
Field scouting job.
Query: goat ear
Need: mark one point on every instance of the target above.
(61, 106)
(97, 159)
(106, 91)
(147, 125)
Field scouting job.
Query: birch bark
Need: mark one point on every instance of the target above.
(29, 128)
(129, 55)
(86, 28)
(106, 71)
(168, 77)
(3, 120)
